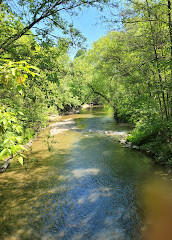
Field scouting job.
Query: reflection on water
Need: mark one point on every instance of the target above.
(87, 187)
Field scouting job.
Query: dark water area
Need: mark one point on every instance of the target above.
(78, 183)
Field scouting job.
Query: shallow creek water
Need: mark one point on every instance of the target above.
(78, 183)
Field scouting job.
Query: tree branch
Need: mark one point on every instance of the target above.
(100, 94)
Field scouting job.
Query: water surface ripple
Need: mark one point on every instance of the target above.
(86, 187)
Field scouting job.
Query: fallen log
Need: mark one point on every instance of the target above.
(5, 165)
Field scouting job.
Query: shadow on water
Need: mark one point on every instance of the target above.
(88, 188)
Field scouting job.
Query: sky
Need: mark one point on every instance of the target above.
(89, 24)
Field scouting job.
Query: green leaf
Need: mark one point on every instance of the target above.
(33, 67)
(21, 113)
(20, 159)
(13, 71)
(19, 88)
(6, 140)
(22, 155)
(21, 92)
(3, 152)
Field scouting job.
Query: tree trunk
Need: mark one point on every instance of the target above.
(157, 60)
(108, 100)
(5, 165)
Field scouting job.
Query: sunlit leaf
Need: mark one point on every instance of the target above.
(20, 159)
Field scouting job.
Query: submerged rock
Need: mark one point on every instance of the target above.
(128, 144)
(122, 141)
(135, 147)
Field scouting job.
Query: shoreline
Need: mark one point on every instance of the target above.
(56, 117)
(52, 118)
(149, 153)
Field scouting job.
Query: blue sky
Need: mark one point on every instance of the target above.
(89, 24)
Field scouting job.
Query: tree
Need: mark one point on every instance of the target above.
(47, 12)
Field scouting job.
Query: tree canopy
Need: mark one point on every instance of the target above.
(129, 69)
(29, 14)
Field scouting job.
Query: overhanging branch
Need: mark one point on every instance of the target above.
(100, 94)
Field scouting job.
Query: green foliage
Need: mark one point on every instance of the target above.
(128, 70)
(131, 71)
(15, 73)
(11, 135)
(27, 98)
(155, 137)
(145, 131)
(12, 77)
(49, 13)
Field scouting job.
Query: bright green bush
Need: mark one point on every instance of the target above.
(10, 135)
(145, 131)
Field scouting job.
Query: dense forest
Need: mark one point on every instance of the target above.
(129, 70)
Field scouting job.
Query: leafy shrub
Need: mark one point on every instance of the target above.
(145, 131)
(154, 136)
(11, 135)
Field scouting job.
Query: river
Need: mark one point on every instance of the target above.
(78, 183)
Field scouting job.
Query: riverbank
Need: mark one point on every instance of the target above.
(159, 153)
(154, 137)
(51, 119)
